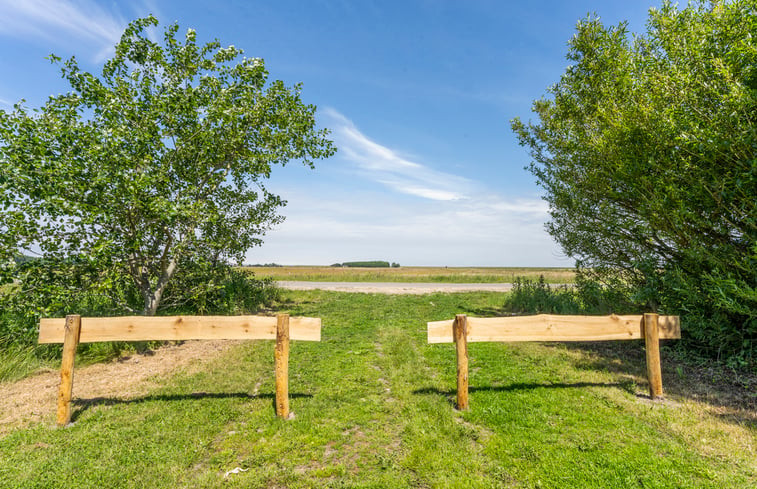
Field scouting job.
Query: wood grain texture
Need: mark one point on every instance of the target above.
(547, 327)
(461, 345)
(652, 347)
(281, 365)
(72, 329)
(176, 328)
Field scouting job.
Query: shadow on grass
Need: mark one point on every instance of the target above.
(484, 312)
(82, 405)
(450, 394)
(732, 394)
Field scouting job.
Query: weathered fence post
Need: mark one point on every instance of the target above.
(460, 333)
(281, 365)
(652, 343)
(70, 342)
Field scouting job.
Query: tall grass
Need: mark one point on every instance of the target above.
(588, 297)
(584, 297)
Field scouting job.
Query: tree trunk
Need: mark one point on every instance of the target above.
(151, 304)
(153, 297)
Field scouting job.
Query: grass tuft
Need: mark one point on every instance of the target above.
(373, 408)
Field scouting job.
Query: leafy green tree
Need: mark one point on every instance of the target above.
(647, 150)
(160, 161)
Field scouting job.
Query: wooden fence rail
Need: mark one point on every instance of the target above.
(74, 329)
(545, 327)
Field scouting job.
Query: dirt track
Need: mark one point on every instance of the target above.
(34, 399)
(393, 287)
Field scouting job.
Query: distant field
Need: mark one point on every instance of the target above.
(415, 274)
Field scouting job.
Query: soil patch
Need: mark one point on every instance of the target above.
(34, 399)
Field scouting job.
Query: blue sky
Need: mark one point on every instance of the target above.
(418, 95)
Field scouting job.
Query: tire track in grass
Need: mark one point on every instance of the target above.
(427, 421)
(373, 406)
(342, 429)
(364, 425)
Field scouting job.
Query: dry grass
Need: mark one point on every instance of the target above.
(374, 408)
(33, 399)
(415, 274)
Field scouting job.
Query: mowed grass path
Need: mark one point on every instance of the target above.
(373, 406)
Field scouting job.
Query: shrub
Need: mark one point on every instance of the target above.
(54, 289)
(366, 264)
(538, 297)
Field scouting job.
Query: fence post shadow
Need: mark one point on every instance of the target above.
(74, 329)
(561, 328)
(82, 405)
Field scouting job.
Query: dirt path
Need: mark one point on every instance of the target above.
(34, 399)
(393, 287)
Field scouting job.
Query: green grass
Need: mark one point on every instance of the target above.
(20, 361)
(415, 274)
(373, 406)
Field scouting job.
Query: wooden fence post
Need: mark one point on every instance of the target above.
(652, 343)
(281, 365)
(460, 332)
(70, 342)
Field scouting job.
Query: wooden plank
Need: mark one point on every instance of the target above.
(72, 326)
(461, 347)
(168, 328)
(652, 347)
(281, 365)
(547, 327)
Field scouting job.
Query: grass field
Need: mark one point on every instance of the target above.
(373, 406)
(414, 274)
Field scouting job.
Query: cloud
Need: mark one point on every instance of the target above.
(455, 221)
(56, 20)
(391, 169)
(488, 231)
(421, 191)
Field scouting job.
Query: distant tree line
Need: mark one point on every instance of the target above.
(367, 264)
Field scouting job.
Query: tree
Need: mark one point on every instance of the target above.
(158, 163)
(647, 150)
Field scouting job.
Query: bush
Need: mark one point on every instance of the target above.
(217, 289)
(538, 297)
(707, 331)
(645, 148)
(55, 289)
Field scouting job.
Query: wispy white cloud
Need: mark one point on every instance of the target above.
(62, 21)
(344, 227)
(390, 168)
(457, 222)
(6, 103)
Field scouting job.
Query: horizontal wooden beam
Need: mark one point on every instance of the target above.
(548, 327)
(168, 328)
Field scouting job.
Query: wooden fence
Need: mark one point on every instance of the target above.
(74, 329)
(544, 327)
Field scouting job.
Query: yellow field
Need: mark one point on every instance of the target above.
(414, 274)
